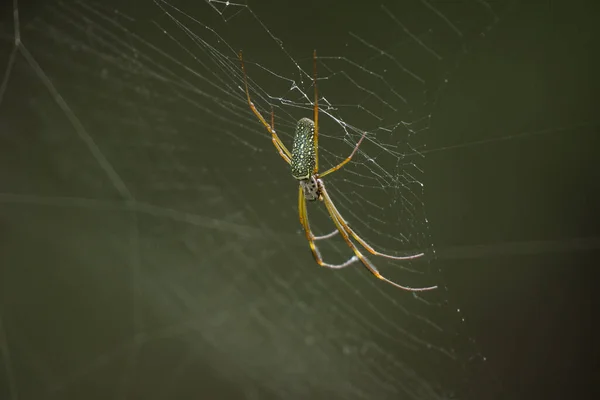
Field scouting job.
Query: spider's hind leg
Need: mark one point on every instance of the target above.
(312, 238)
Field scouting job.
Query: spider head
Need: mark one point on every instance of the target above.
(311, 188)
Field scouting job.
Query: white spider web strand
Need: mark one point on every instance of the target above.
(356, 331)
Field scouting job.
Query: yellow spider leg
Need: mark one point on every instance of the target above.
(311, 238)
(342, 226)
(302, 208)
(360, 240)
(283, 151)
(316, 113)
(304, 221)
(347, 160)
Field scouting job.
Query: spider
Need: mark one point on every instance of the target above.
(304, 163)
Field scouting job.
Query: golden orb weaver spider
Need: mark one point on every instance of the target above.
(304, 163)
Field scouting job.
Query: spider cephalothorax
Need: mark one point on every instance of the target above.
(311, 188)
(304, 162)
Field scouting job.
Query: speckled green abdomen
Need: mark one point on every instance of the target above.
(303, 151)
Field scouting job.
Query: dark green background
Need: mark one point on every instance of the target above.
(109, 298)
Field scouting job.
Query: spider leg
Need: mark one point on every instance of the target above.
(316, 113)
(347, 160)
(360, 240)
(342, 227)
(327, 236)
(311, 238)
(316, 122)
(283, 151)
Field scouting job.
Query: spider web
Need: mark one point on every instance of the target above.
(166, 222)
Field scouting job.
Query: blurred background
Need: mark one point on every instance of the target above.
(149, 238)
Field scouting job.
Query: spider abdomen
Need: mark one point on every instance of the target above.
(303, 151)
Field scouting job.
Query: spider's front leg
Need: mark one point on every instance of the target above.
(281, 149)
